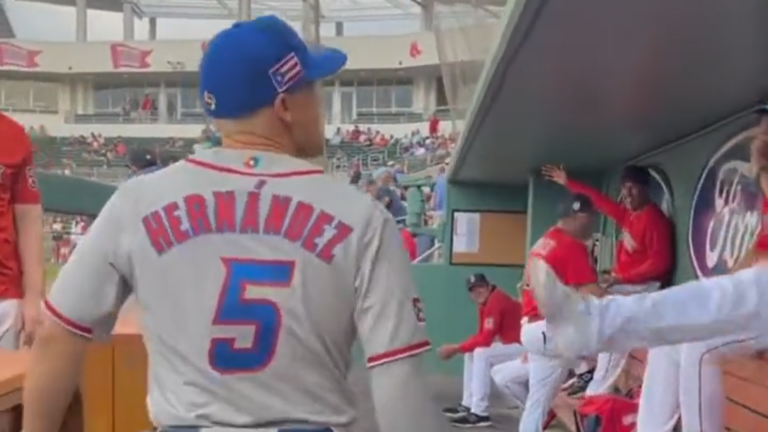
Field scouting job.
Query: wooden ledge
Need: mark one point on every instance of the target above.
(12, 374)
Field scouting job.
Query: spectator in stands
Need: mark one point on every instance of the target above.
(434, 125)
(409, 243)
(355, 174)
(145, 109)
(142, 161)
(388, 195)
(338, 137)
(440, 193)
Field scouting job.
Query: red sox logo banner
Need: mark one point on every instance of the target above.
(725, 213)
(415, 50)
(18, 56)
(129, 57)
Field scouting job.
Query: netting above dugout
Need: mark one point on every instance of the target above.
(467, 33)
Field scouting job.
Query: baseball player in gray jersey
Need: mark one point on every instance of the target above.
(253, 271)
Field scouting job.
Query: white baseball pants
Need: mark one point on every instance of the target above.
(9, 337)
(686, 380)
(477, 373)
(609, 365)
(511, 378)
(546, 373)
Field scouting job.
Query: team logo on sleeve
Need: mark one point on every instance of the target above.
(488, 323)
(418, 310)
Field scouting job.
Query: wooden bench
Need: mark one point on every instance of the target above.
(11, 379)
(745, 383)
(113, 387)
(631, 378)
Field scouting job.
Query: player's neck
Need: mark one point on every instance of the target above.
(258, 143)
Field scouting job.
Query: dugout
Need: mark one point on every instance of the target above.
(595, 85)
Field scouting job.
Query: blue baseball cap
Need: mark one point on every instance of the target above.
(246, 66)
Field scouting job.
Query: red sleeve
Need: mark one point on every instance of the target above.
(604, 204)
(489, 327)
(580, 270)
(25, 188)
(658, 240)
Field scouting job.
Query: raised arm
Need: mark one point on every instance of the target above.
(604, 203)
(390, 325)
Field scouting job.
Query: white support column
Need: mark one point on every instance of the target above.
(152, 29)
(427, 15)
(310, 21)
(244, 10)
(162, 103)
(81, 20)
(128, 22)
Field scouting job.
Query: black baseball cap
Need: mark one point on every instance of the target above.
(477, 280)
(576, 204)
(142, 158)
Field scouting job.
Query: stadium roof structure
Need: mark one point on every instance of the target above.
(331, 10)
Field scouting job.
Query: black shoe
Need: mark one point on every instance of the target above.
(582, 382)
(472, 420)
(456, 411)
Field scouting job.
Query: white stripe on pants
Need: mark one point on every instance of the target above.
(477, 373)
(610, 365)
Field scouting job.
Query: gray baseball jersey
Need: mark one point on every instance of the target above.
(253, 272)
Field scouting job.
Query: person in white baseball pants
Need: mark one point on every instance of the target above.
(478, 372)
(723, 307)
(9, 331)
(511, 378)
(610, 364)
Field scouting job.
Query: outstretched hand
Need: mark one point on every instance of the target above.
(555, 173)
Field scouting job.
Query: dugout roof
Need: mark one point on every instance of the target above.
(595, 83)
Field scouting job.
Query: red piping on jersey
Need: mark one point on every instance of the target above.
(225, 169)
(398, 353)
(66, 322)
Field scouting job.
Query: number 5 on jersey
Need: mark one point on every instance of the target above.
(260, 315)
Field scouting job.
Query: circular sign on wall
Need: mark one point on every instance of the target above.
(725, 212)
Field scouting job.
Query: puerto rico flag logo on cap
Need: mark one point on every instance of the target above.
(286, 73)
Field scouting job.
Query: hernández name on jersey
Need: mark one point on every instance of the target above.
(194, 215)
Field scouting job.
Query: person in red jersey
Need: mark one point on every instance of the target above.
(562, 251)
(21, 249)
(644, 253)
(496, 341)
(726, 313)
(409, 243)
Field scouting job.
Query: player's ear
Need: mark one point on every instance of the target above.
(282, 107)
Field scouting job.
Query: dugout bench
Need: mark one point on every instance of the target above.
(113, 389)
(745, 381)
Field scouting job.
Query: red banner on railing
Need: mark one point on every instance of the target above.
(129, 57)
(18, 56)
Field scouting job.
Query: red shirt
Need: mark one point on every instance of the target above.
(434, 125)
(761, 243)
(409, 243)
(644, 252)
(18, 185)
(568, 257)
(498, 318)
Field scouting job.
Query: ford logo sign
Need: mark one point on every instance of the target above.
(725, 213)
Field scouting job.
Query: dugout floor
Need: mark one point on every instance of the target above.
(447, 391)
